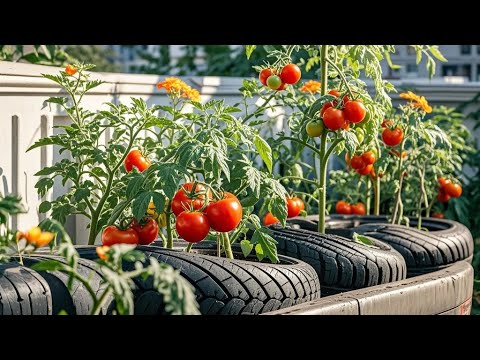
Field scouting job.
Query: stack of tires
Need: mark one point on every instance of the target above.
(439, 244)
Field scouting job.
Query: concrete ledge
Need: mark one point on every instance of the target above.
(447, 292)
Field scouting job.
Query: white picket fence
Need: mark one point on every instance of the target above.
(25, 118)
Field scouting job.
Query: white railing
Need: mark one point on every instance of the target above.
(24, 118)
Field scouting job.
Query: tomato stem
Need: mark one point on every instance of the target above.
(189, 247)
(376, 194)
(226, 245)
(168, 214)
(322, 193)
(98, 304)
(368, 197)
(398, 198)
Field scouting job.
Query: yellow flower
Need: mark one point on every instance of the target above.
(36, 237)
(178, 88)
(102, 252)
(311, 86)
(417, 101)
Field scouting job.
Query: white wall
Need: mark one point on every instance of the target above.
(24, 119)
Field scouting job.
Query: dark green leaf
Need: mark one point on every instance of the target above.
(44, 207)
(49, 265)
(140, 204)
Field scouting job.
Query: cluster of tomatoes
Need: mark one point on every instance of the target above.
(448, 189)
(344, 208)
(197, 212)
(139, 233)
(290, 74)
(362, 164)
(337, 117)
(295, 206)
(391, 135)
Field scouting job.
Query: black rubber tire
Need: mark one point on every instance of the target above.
(23, 291)
(226, 286)
(445, 243)
(233, 287)
(78, 301)
(342, 264)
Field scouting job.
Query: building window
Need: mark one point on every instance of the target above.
(412, 68)
(464, 70)
(411, 50)
(466, 49)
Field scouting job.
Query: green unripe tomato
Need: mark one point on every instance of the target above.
(274, 82)
(315, 128)
(360, 134)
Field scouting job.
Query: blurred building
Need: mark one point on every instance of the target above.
(463, 61)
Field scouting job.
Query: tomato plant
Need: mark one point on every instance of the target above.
(186, 198)
(343, 105)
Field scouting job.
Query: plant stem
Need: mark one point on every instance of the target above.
(189, 247)
(400, 180)
(169, 230)
(342, 76)
(259, 109)
(368, 197)
(218, 246)
(226, 245)
(311, 182)
(98, 305)
(315, 150)
(322, 193)
(20, 259)
(376, 194)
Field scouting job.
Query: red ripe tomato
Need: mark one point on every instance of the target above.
(112, 235)
(335, 92)
(368, 157)
(147, 231)
(346, 126)
(224, 215)
(387, 123)
(269, 219)
(438, 215)
(443, 182)
(454, 190)
(358, 209)
(301, 205)
(365, 170)
(290, 74)
(136, 158)
(343, 207)
(192, 226)
(354, 111)
(264, 75)
(70, 70)
(293, 207)
(325, 107)
(443, 196)
(357, 162)
(181, 200)
(333, 118)
(392, 137)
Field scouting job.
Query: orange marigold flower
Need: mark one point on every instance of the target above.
(36, 237)
(102, 252)
(417, 101)
(311, 86)
(178, 88)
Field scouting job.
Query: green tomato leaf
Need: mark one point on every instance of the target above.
(140, 204)
(44, 207)
(436, 53)
(351, 141)
(81, 194)
(134, 186)
(265, 245)
(249, 50)
(247, 247)
(264, 151)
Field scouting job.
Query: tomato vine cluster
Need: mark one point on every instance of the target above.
(289, 75)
